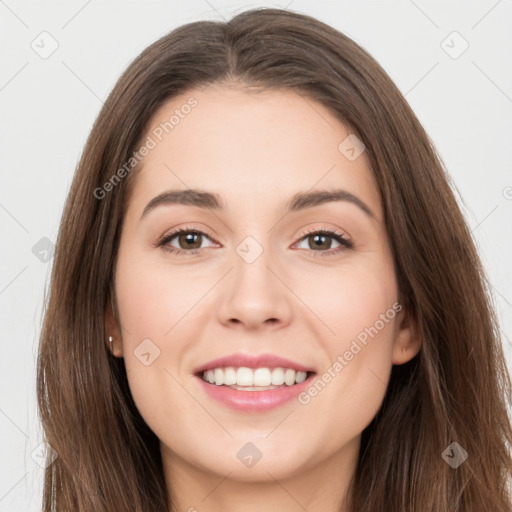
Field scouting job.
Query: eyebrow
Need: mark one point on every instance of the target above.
(213, 201)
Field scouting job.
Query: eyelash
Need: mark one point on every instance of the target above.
(338, 236)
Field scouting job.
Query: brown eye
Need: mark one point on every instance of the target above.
(319, 242)
(188, 241)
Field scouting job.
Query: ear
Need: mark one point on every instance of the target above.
(407, 342)
(113, 329)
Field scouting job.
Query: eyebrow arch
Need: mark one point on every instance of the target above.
(299, 201)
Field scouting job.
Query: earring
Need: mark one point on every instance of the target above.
(110, 339)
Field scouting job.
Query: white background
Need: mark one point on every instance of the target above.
(47, 108)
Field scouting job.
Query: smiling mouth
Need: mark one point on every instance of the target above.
(258, 379)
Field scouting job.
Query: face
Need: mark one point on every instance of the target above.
(314, 284)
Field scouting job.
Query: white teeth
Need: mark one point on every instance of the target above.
(219, 376)
(248, 377)
(289, 377)
(244, 376)
(229, 376)
(300, 377)
(277, 376)
(262, 377)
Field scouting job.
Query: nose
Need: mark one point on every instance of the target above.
(255, 293)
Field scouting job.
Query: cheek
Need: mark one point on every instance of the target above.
(156, 304)
(351, 300)
(154, 298)
(360, 309)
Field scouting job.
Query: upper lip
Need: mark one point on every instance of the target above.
(252, 361)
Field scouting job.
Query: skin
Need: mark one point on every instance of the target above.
(256, 150)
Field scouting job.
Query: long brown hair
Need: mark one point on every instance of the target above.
(455, 390)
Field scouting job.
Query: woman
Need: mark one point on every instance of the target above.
(326, 342)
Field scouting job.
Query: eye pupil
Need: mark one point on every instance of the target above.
(189, 238)
(320, 236)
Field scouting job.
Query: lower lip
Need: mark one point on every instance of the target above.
(254, 401)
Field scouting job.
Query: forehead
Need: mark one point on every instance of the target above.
(256, 149)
